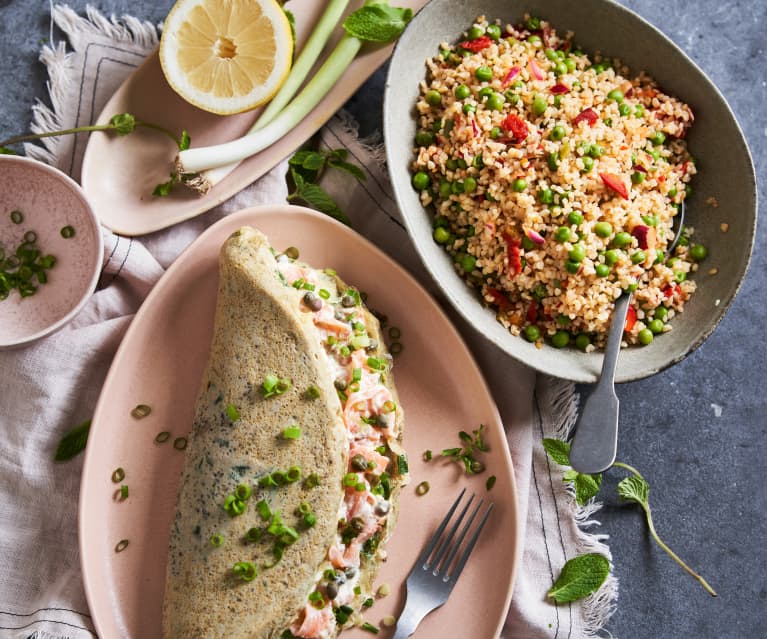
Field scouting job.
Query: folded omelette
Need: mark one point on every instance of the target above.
(293, 465)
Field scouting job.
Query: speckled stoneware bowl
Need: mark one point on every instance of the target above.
(725, 171)
(48, 201)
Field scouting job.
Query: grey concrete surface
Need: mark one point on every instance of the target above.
(706, 469)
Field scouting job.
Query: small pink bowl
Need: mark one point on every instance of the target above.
(49, 201)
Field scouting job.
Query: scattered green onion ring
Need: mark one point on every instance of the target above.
(121, 545)
(141, 411)
(244, 570)
(394, 332)
(68, 231)
(427, 455)
(490, 482)
(217, 540)
(118, 475)
(312, 392)
(30, 237)
(422, 488)
(232, 412)
(263, 510)
(254, 534)
(162, 437)
(395, 348)
(292, 432)
(123, 492)
(179, 443)
(243, 491)
(293, 474)
(17, 217)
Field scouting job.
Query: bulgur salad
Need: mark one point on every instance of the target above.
(555, 180)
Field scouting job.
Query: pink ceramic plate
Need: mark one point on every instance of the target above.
(160, 363)
(126, 169)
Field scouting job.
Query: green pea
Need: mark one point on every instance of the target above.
(485, 92)
(560, 339)
(562, 234)
(698, 252)
(658, 138)
(608, 121)
(650, 220)
(639, 111)
(457, 187)
(655, 155)
(434, 98)
(603, 229)
(680, 276)
(451, 164)
(441, 235)
(570, 64)
(572, 267)
(476, 32)
(424, 138)
(659, 256)
(622, 239)
(588, 163)
(469, 185)
(612, 257)
(553, 160)
(576, 217)
(483, 74)
(655, 325)
(517, 84)
(661, 313)
(615, 94)
(421, 181)
(512, 97)
(645, 336)
(583, 341)
(560, 68)
(539, 105)
(563, 320)
(637, 177)
(632, 287)
(596, 151)
(534, 40)
(577, 253)
(495, 102)
(469, 108)
(637, 257)
(624, 109)
(598, 68)
(462, 92)
(545, 196)
(468, 262)
(532, 333)
(445, 188)
(495, 133)
(493, 31)
(557, 133)
(602, 270)
(519, 185)
(550, 54)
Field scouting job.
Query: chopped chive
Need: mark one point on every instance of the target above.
(324, 293)
(310, 520)
(388, 406)
(121, 545)
(292, 432)
(351, 479)
(360, 487)
(368, 603)
(370, 628)
(330, 271)
(402, 465)
(244, 570)
(217, 540)
(376, 364)
(118, 475)
(357, 590)
(30, 237)
(312, 481)
(179, 443)
(304, 508)
(254, 534)
(427, 455)
(243, 491)
(141, 411)
(267, 482)
(162, 437)
(232, 412)
(490, 482)
(67, 231)
(293, 474)
(422, 488)
(234, 506)
(17, 217)
(123, 492)
(263, 510)
(356, 374)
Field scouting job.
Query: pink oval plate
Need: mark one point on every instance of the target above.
(126, 169)
(160, 363)
(48, 201)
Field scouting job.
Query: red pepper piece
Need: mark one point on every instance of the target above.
(639, 167)
(514, 254)
(670, 291)
(516, 127)
(513, 73)
(559, 88)
(640, 233)
(615, 183)
(476, 45)
(532, 313)
(589, 115)
(499, 299)
(631, 319)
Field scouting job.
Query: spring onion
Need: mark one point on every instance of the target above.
(123, 492)
(427, 455)
(121, 545)
(422, 488)
(292, 432)
(244, 570)
(293, 474)
(254, 534)
(243, 491)
(232, 413)
(118, 475)
(179, 443)
(490, 482)
(312, 392)
(369, 627)
(376, 22)
(263, 510)
(234, 506)
(17, 217)
(312, 481)
(141, 411)
(67, 232)
(162, 437)
(217, 540)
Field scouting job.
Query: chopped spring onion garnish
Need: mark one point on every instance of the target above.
(490, 482)
(422, 488)
(388, 407)
(354, 387)
(67, 232)
(18, 268)
(232, 413)
(395, 348)
(356, 374)
(317, 600)
(121, 545)
(254, 534)
(217, 540)
(292, 432)
(402, 466)
(118, 475)
(351, 479)
(292, 252)
(312, 481)
(30, 237)
(244, 570)
(273, 385)
(162, 437)
(243, 491)
(368, 603)
(304, 508)
(17, 217)
(141, 411)
(370, 628)
(234, 506)
(312, 392)
(330, 271)
(310, 519)
(383, 590)
(123, 492)
(357, 590)
(324, 293)
(263, 510)
(394, 332)
(427, 455)
(293, 474)
(376, 364)
(342, 614)
(179, 443)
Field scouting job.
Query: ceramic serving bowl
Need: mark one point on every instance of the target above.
(37, 198)
(725, 171)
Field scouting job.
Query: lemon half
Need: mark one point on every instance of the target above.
(226, 56)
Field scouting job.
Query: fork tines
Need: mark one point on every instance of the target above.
(441, 551)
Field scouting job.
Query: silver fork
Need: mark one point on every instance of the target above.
(433, 576)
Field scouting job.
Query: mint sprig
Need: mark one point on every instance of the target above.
(585, 486)
(580, 576)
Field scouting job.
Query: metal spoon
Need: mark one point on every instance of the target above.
(595, 443)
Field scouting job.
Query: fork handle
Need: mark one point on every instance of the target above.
(408, 621)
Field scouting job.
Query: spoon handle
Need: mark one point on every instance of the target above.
(596, 432)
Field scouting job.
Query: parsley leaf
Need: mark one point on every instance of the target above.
(580, 576)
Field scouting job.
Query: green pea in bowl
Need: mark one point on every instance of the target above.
(528, 99)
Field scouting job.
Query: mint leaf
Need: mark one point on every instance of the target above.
(558, 450)
(348, 167)
(586, 487)
(636, 489)
(580, 576)
(377, 22)
(318, 199)
(73, 443)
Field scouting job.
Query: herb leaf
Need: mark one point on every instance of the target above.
(73, 443)
(636, 489)
(316, 197)
(580, 576)
(377, 22)
(586, 486)
(348, 167)
(123, 123)
(558, 450)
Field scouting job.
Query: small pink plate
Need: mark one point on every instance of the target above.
(48, 201)
(160, 363)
